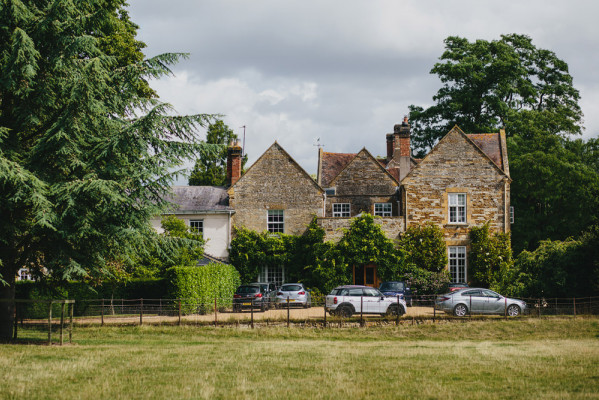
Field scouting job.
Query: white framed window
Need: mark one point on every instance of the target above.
(272, 274)
(383, 209)
(457, 208)
(341, 210)
(197, 226)
(457, 263)
(276, 221)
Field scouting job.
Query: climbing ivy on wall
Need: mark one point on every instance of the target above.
(324, 265)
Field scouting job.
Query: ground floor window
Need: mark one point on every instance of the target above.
(457, 263)
(272, 274)
(197, 226)
(341, 210)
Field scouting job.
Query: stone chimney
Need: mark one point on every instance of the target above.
(399, 153)
(234, 162)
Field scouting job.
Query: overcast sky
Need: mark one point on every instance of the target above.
(342, 71)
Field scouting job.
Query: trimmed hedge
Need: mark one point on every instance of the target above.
(202, 284)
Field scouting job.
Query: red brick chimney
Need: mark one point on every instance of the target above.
(234, 162)
(401, 145)
(398, 149)
(389, 146)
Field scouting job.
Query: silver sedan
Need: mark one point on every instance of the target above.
(294, 294)
(478, 301)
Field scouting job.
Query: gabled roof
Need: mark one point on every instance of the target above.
(189, 199)
(492, 142)
(375, 162)
(331, 164)
(278, 147)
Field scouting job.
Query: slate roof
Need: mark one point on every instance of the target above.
(189, 199)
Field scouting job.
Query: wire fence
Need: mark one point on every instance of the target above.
(270, 312)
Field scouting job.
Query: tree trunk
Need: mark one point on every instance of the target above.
(7, 309)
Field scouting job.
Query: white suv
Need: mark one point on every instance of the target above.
(348, 300)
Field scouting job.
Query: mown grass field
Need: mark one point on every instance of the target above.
(499, 359)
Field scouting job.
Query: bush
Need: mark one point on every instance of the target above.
(202, 284)
(424, 246)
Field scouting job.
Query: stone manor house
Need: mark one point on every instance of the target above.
(463, 181)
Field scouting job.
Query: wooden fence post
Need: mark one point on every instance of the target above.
(325, 314)
(179, 311)
(252, 311)
(215, 318)
(16, 324)
(574, 304)
(362, 310)
(71, 322)
(141, 311)
(397, 316)
(50, 322)
(102, 310)
(61, 323)
(288, 311)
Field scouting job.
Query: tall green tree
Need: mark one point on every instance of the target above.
(86, 151)
(510, 83)
(211, 170)
(507, 83)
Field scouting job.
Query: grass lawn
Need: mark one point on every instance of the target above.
(554, 358)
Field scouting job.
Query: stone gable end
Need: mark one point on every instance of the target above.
(364, 176)
(275, 182)
(456, 165)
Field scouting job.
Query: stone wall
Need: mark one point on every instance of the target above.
(455, 165)
(363, 183)
(276, 182)
(334, 227)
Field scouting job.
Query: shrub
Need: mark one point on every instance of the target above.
(202, 284)
(424, 247)
(487, 256)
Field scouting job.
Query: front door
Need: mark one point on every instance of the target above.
(366, 275)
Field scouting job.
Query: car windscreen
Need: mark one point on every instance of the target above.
(291, 288)
(248, 289)
(392, 286)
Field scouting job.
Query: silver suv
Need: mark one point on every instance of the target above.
(348, 300)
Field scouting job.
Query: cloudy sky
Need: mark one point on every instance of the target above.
(342, 72)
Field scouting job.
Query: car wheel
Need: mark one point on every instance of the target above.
(262, 307)
(513, 310)
(236, 308)
(346, 312)
(460, 310)
(392, 310)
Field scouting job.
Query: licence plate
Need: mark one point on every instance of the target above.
(247, 304)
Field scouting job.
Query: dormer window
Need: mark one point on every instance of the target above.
(330, 191)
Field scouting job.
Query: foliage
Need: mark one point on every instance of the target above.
(250, 251)
(211, 169)
(202, 284)
(424, 246)
(498, 83)
(81, 292)
(568, 268)
(86, 152)
(555, 188)
(488, 252)
(424, 282)
(365, 243)
(510, 83)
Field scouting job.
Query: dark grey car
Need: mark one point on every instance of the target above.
(478, 301)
